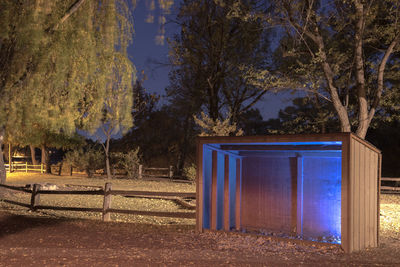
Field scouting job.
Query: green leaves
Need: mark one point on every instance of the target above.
(56, 78)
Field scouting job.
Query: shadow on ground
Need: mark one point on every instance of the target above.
(13, 224)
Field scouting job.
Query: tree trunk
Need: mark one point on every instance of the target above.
(48, 165)
(2, 167)
(33, 155)
(184, 145)
(6, 153)
(60, 170)
(108, 167)
(45, 159)
(106, 150)
(363, 122)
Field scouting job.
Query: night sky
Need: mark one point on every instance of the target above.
(144, 50)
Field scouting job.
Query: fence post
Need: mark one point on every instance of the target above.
(171, 172)
(35, 198)
(41, 167)
(107, 202)
(26, 166)
(140, 170)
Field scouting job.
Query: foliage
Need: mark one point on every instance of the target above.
(305, 116)
(345, 52)
(58, 59)
(217, 127)
(252, 122)
(146, 119)
(208, 56)
(89, 160)
(386, 136)
(190, 172)
(129, 161)
(158, 135)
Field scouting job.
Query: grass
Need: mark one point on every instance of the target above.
(390, 203)
(90, 201)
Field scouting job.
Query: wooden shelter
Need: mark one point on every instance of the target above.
(320, 187)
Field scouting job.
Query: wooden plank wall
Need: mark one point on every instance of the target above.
(364, 196)
(321, 197)
(221, 198)
(267, 193)
(238, 195)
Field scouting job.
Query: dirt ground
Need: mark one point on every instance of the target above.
(41, 239)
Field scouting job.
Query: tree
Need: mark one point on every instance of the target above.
(252, 122)
(208, 56)
(210, 127)
(142, 133)
(56, 60)
(306, 115)
(350, 45)
(117, 110)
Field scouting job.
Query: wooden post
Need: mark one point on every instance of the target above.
(35, 198)
(140, 171)
(213, 212)
(238, 193)
(41, 167)
(107, 202)
(171, 172)
(26, 166)
(293, 188)
(227, 225)
(9, 158)
(300, 191)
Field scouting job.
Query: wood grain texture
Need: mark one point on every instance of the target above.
(346, 195)
(238, 199)
(266, 194)
(199, 188)
(213, 215)
(226, 194)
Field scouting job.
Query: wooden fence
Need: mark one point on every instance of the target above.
(107, 192)
(24, 167)
(390, 189)
(155, 172)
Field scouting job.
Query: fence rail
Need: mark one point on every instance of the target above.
(390, 189)
(24, 167)
(155, 172)
(107, 192)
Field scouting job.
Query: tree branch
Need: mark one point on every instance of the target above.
(70, 11)
(381, 71)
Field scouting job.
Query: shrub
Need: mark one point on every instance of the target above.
(190, 172)
(129, 162)
(89, 161)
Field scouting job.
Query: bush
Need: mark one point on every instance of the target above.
(129, 162)
(89, 161)
(190, 172)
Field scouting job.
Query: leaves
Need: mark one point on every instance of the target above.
(217, 127)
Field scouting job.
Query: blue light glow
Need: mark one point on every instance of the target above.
(318, 198)
(232, 190)
(207, 174)
(220, 190)
(322, 198)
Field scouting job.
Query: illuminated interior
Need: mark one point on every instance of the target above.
(289, 189)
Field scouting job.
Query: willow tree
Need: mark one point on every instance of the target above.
(117, 107)
(55, 63)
